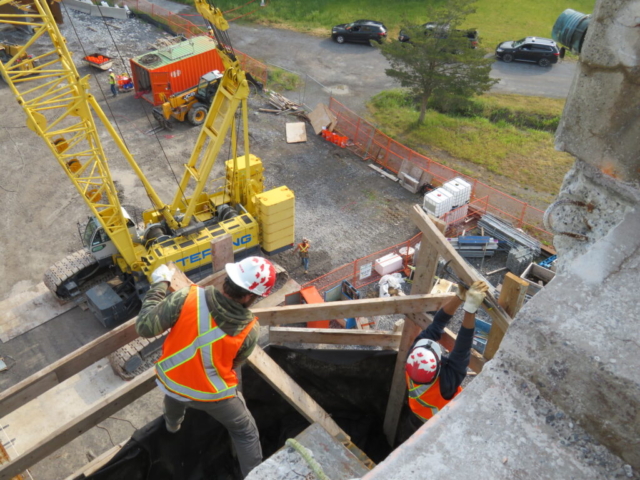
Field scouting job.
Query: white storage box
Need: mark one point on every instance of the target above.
(460, 189)
(438, 202)
(388, 264)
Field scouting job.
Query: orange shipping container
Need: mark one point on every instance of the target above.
(174, 69)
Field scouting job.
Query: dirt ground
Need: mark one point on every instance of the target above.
(345, 208)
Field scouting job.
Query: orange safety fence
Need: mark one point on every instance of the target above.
(371, 144)
(361, 272)
(180, 25)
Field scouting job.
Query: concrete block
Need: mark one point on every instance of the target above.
(519, 259)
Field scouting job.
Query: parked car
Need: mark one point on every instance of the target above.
(542, 51)
(442, 31)
(359, 31)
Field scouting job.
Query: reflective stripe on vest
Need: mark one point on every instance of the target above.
(206, 336)
(425, 399)
(303, 248)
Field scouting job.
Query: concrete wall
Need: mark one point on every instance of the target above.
(97, 11)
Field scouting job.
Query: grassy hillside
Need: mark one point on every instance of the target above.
(495, 143)
(496, 20)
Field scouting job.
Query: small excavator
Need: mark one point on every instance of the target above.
(114, 268)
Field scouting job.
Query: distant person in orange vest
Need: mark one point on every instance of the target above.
(434, 379)
(303, 251)
(212, 333)
(112, 82)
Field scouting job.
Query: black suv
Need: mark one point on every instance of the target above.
(542, 51)
(442, 31)
(359, 31)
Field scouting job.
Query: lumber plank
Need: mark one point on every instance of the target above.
(349, 308)
(275, 376)
(423, 279)
(377, 338)
(511, 298)
(97, 463)
(66, 367)
(76, 427)
(398, 386)
(221, 252)
(433, 236)
(178, 280)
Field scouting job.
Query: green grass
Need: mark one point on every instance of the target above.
(279, 79)
(496, 20)
(525, 156)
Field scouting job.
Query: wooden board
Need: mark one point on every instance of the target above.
(433, 236)
(512, 293)
(221, 252)
(377, 338)
(76, 427)
(178, 280)
(296, 132)
(322, 117)
(350, 308)
(423, 279)
(275, 376)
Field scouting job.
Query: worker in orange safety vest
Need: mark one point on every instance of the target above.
(303, 251)
(212, 333)
(434, 379)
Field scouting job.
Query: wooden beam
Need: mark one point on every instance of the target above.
(47, 378)
(511, 299)
(423, 278)
(433, 236)
(76, 427)
(349, 308)
(377, 338)
(97, 463)
(221, 252)
(398, 385)
(275, 376)
(178, 280)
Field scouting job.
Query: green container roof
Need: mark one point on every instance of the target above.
(179, 51)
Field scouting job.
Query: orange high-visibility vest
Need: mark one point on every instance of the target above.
(425, 399)
(197, 356)
(304, 247)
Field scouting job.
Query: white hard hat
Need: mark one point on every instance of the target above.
(111, 69)
(423, 363)
(256, 274)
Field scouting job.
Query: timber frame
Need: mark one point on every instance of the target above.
(434, 246)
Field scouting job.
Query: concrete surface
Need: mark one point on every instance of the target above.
(600, 124)
(336, 461)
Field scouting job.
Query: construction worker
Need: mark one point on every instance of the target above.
(112, 82)
(212, 333)
(434, 379)
(303, 251)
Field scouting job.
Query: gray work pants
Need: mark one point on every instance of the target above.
(236, 418)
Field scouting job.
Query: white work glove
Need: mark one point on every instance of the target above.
(475, 296)
(161, 274)
(461, 292)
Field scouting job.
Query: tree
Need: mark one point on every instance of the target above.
(439, 58)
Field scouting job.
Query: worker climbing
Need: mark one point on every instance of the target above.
(303, 251)
(112, 82)
(434, 379)
(225, 332)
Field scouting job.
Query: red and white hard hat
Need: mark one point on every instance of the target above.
(256, 274)
(423, 363)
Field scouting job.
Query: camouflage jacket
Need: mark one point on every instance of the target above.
(161, 311)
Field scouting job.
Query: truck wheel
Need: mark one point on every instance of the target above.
(197, 114)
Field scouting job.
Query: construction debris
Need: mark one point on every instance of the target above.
(283, 105)
(537, 277)
(322, 118)
(382, 172)
(166, 42)
(507, 233)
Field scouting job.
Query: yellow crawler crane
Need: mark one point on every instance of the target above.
(62, 111)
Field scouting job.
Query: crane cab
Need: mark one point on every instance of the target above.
(97, 241)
